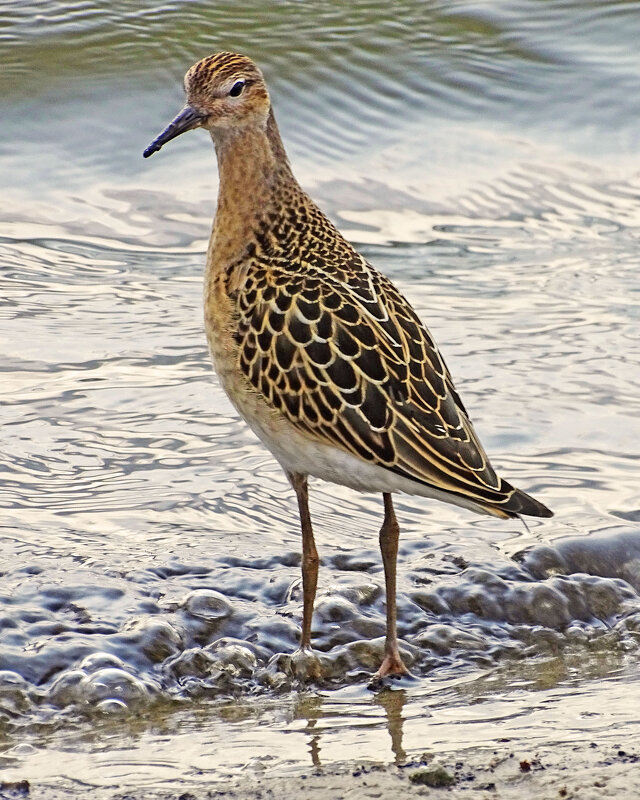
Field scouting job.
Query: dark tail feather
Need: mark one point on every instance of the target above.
(522, 503)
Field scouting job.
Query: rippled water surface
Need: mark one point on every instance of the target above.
(485, 156)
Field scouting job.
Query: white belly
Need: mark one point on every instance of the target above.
(297, 453)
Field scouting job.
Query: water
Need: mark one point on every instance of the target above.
(483, 155)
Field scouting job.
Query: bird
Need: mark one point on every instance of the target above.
(319, 352)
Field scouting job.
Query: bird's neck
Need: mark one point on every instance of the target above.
(255, 177)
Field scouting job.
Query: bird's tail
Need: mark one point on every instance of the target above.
(517, 502)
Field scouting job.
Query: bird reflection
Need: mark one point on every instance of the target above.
(314, 708)
(393, 701)
(310, 707)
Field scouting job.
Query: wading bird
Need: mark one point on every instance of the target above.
(321, 355)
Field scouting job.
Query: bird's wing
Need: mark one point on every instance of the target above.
(348, 362)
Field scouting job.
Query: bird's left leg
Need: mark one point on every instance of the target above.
(389, 534)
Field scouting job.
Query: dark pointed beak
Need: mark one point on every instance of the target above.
(186, 120)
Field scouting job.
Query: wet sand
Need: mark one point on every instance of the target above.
(589, 770)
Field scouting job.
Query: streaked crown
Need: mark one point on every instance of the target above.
(228, 88)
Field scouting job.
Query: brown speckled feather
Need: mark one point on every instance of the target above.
(321, 339)
(330, 343)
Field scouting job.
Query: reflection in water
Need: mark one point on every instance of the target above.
(322, 716)
(310, 708)
(393, 701)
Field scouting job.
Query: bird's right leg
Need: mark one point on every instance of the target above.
(305, 664)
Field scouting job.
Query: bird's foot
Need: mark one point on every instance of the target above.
(303, 665)
(306, 666)
(392, 666)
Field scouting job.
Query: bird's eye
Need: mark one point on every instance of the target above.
(236, 89)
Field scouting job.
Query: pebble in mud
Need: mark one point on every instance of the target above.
(16, 789)
(434, 776)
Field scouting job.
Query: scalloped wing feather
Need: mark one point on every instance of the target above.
(346, 360)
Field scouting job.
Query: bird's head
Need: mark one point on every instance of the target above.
(225, 91)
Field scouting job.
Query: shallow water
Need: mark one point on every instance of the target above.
(485, 156)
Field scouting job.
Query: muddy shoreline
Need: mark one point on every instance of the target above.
(588, 770)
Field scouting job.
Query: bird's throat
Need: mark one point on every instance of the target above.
(254, 175)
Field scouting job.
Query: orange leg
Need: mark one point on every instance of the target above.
(309, 557)
(389, 533)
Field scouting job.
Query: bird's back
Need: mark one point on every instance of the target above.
(329, 343)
